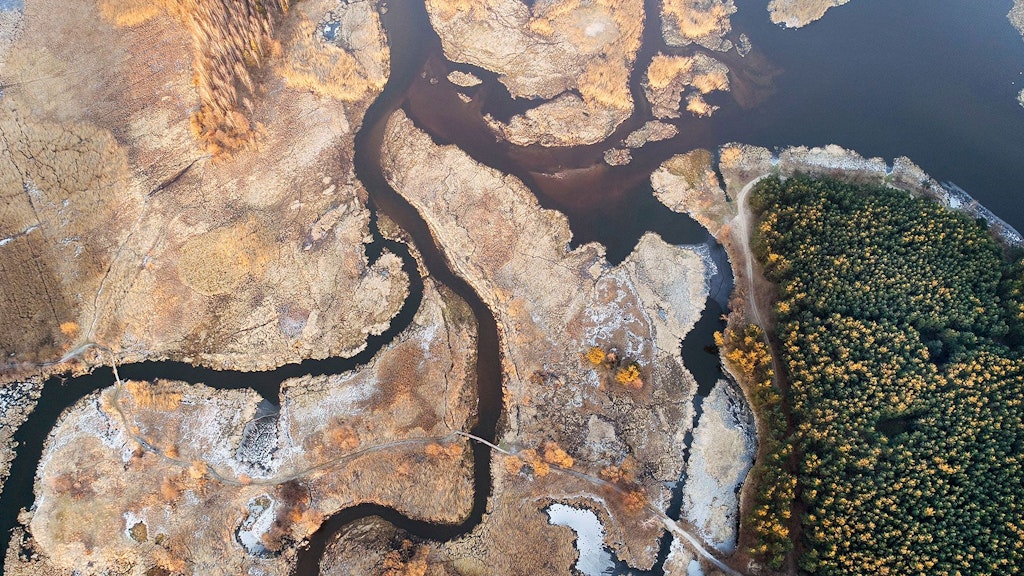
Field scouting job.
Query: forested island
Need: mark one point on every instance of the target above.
(900, 328)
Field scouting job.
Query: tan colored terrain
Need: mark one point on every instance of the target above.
(668, 77)
(548, 124)
(587, 46)
(687, 183)
(702, 22)
(192, 480)
(118, 228)
(463, 79)
(513, 252)
(799, 13)
(651, 131)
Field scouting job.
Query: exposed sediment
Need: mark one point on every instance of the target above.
(799, 13)
(552, 305)
(194, 480)
(550, 51)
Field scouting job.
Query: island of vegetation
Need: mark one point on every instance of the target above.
(900, 327)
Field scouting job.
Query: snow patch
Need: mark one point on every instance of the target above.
(595, 559)
(257, 522)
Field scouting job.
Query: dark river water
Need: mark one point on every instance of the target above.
(935, 80)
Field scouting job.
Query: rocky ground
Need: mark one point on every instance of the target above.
(187, 478)
(573, 55)
(152, 236)
(799, 13)
(561, 388)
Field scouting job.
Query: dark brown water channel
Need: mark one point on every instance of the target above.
(935, 81)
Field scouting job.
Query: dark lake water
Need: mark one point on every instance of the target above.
(934, 80)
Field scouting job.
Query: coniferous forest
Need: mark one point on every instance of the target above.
(899, 324)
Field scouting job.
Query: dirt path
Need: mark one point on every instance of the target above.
(742, 224)
(673, 526)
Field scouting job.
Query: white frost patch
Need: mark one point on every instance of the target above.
(214, 421)
(311, 404)
(608, 313)
(594, 559)
(130, 520)
(594, 29)
(427, 336)
(24, 232)
(347, 392)
(106, 427)
(15, 395)
(257, 522)
(681, 561)
(722, 453)
(710, 268)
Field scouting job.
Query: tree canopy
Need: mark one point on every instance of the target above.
(900, 329)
